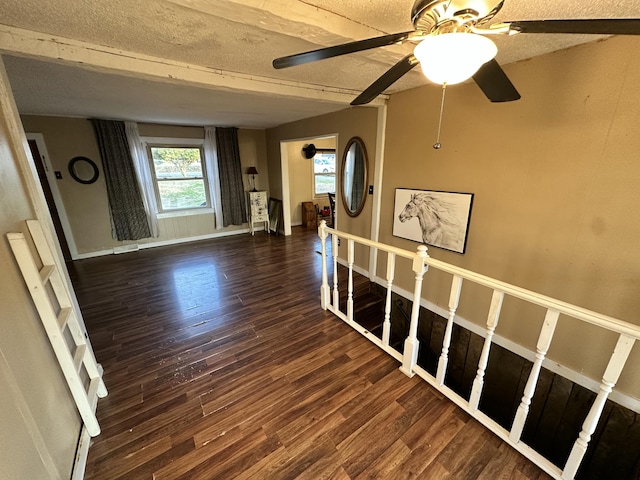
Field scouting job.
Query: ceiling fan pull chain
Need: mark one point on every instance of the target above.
(438, 145)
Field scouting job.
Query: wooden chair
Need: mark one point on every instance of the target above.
(332, 205)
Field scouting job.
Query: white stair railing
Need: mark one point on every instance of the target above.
(420, 262)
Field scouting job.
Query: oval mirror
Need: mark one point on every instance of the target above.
(354, 177)
(83, 170)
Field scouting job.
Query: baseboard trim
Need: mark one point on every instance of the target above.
(162, 243)
(82, 453)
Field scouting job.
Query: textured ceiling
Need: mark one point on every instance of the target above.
(235, 37)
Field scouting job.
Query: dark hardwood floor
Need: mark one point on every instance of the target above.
(220, 364)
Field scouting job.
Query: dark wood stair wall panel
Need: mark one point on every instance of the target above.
(558, 407)
(458, 350)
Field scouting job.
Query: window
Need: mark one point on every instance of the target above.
(324, 173)
(179, 177)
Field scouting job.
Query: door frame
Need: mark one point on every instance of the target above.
(284, 171)
(55, 191)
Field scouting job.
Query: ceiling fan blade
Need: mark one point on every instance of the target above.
(604, 26)
(382, 83)
(494, 83)
(329, 52)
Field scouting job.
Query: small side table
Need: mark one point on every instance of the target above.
(258, 210)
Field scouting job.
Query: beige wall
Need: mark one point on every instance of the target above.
(556, 180)
(87, 207)
(39, 424)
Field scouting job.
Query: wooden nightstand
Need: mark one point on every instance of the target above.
(258, 209)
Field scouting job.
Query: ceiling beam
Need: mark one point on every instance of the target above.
(41, 46)
(279, 16)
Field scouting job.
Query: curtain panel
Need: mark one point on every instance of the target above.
(211, 161)
(128, 217)
(143, 174)
(232, 193)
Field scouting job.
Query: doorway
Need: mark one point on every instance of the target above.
(38, 154)
(298, 176)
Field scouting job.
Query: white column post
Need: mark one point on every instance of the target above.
(492, 322)
(454, 298)
(325, 291)
(334, 253)
(386, 325)
(609, 379)
(350, 286)
(410, 353)
(544, 341)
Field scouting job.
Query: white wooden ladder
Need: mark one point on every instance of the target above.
(61, 322)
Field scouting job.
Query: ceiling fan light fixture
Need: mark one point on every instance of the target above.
(453, 57)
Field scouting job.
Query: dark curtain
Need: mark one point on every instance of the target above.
(357, 190)
(128, 218)
(232, 194)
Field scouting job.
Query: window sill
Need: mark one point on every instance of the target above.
(186, 213)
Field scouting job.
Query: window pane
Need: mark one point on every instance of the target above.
(182, 194)
(324, 163)
(325, 184)
(176, 162)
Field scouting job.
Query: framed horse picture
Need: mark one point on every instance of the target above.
(439, 219)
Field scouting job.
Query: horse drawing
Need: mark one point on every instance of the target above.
(438, 221)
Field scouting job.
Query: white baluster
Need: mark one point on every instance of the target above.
(325, 291)
(350, 288)
(492, 322)
(609, 379)
(334, 253)
(454, 298)
(410, 353)
(386, 325)
(544, 340)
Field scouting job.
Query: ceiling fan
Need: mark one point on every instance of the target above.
(452, 45)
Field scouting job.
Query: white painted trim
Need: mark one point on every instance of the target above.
(97, 253)
(377, 187)
(286, 194)
(84, 442)
(82, 453)
(173, 241)
(172, 141)
(186, 213)
(620, 398)
(55, 192)
(67, 51)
